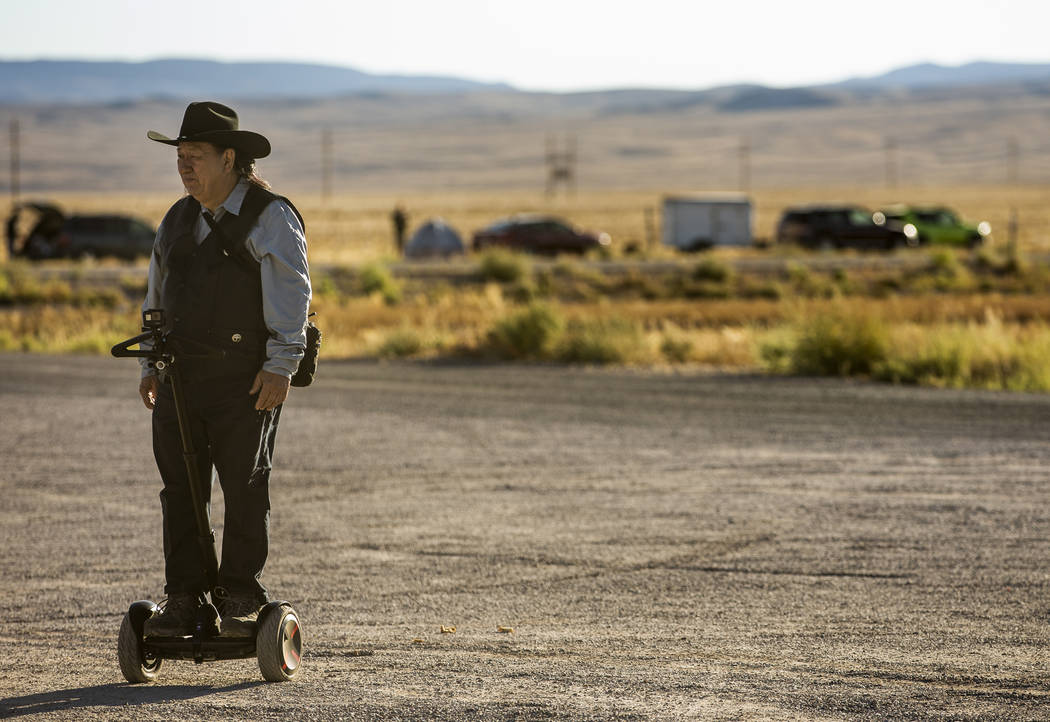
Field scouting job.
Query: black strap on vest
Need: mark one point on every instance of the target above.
(232, 229)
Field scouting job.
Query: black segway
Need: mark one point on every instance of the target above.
(278, 642)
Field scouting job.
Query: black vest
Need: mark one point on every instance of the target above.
(213, 293)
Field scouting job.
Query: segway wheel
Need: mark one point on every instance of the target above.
(135, 664)
(279, 645)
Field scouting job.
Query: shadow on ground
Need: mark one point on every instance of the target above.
(108, 695)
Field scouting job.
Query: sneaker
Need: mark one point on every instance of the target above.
(240, 616)
(177, 617)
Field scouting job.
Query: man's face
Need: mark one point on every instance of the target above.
(205, 170)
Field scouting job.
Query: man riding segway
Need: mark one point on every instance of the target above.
(229, 273)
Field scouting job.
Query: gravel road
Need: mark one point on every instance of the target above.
(662, 546)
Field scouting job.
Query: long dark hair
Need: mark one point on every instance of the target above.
(245, 167)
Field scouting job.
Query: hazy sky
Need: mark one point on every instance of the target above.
(545, 44)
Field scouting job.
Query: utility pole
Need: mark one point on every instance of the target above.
(1013, 228)
(649, 215)
(745, 164)
(561, 165)
(14, 161)
(1013, 161)
(326, 164)
(891, 162)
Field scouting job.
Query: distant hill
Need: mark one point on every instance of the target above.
(92, 82)
(775, 99)
(47, 81)
(930, 75)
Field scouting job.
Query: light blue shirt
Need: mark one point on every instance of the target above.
(277, 241)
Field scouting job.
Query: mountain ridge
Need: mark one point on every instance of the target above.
(25, 82)
(78, 81)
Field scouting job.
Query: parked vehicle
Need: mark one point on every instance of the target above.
(696, 223)
(539, 234)
(843, 226)
(52, 234)
(939, 225)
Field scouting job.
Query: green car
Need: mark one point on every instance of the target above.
(937, 225)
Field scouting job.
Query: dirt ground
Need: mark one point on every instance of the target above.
(663, 547)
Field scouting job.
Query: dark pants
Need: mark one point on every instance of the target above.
(231, 436)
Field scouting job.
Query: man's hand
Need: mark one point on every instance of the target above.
(272, 389)
(148, 390)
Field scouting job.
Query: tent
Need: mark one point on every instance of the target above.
(435, 238)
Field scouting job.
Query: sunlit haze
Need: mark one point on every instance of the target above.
(545, 44)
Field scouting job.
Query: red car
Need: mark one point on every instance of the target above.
(544, 235)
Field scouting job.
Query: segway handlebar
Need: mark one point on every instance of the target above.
(123, 349)
(153, 332)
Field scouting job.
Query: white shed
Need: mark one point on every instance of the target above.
(697, 222)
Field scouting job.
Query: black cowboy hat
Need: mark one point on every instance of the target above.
(212, 122)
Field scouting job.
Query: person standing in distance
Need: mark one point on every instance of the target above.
(229, 270)
(400, 221)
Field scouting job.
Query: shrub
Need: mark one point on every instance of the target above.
(633, 283)
(57, 292)
(706, 289)
(504, 266)
(377, 279)
(605, 341)
(676, 350)
(527, 334)
(1001, 262)
(944, 262)
(710, 269)
(949, 274)
(973, 356)
(1015, 265)
(776, 356)
(133, 287)
(840, 344)
(522, 292)
(769, 290)
(843, 282)
(1032, 372)
(936, 365)
(324, 287)
(96, 345)
(806, 283)
(400, 343)
(102, 298)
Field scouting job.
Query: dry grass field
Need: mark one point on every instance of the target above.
(473, 159)
(626, 140)
(950, 327)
